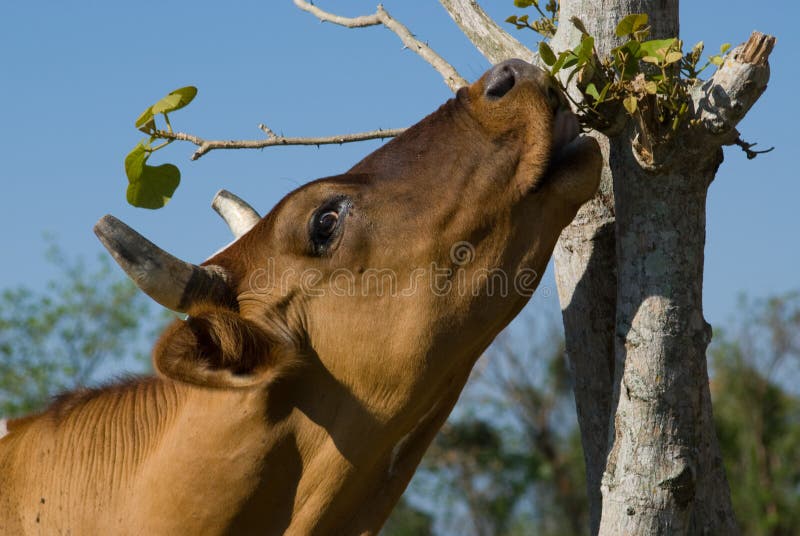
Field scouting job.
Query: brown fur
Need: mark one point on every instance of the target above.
(64, 403)
(297, 409)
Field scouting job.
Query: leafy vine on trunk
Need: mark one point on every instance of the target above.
(651, 79)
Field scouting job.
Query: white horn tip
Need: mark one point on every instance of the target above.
(237, 213)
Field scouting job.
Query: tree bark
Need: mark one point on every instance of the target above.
(664, 464)
(586, 279)
(492, 41)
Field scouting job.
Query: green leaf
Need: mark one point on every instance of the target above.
(651, 87)
(149, 186)
(631, 104)
(626, 59)
(578, 23)
(562, 60)
(585, 49)
(134, 162)
(604, 92)
(657, 47)
(512, 19)
(716, 60)
(175, 100)
(632, 48)
(672, 57)
(591, 90)
(724, 48)
(155, 187)
(524, 3)
(547, 54)
(631, 23)
(572, 60)
(146, 122)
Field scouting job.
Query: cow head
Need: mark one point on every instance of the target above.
(388, 280)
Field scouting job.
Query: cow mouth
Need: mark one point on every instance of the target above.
(565, 133)
(566, 144)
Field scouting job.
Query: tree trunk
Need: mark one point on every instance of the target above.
(585, 256)
(586, 278)
(664, 464)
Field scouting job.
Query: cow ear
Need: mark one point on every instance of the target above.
(219, 348)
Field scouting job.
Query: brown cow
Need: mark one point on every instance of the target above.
(326, 346)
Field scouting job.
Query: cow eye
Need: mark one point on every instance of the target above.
(325, 225)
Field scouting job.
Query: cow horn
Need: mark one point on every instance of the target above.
(173, 283)
(239, 216)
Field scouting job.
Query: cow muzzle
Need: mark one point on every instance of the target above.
(504, 76)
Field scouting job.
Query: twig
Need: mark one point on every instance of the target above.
(723, 100)
(492, 41)
(747, 148)
(273, 139)
(381, 16)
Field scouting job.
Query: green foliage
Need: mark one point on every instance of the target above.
(547, 22)
(60, 339)
(149, 186)
(509, 461)
(407, 520)
(175, 100)
(756, 365)
(153, 186)
(648, 78)
(547, 54)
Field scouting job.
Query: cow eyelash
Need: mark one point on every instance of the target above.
(326, 224)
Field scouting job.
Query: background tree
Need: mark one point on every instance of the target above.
(756, 367)
(407, 520)
(64, 338)
(508, 461)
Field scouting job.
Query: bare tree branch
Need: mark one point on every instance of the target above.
(492, 41)
(381, 16)
(273, 139)
(748, 148)
(724, 99)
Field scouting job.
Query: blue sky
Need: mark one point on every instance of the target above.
(75, 75)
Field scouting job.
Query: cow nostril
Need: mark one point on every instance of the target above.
(500, 82)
